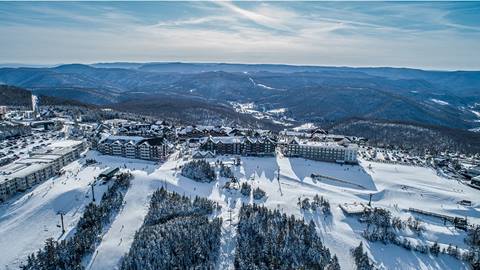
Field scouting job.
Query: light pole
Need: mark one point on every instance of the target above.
(61, 221)
(93, 191)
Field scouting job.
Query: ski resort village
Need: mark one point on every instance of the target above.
(101, 189)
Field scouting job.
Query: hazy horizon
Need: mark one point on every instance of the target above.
(27, 65)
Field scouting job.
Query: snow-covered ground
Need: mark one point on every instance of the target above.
(276, 115)
(395, 187)
(29, 218)
(440, 102)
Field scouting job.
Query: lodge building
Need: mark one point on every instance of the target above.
(322, 151)
(40, 166)
(135, 147)
(239, 145)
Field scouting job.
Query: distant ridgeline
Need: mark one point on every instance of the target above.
(308, 93)
(410, 136)
(16, 96)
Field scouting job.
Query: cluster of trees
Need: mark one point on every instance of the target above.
(473, 239)
(199, 170)
(176, 234)
(379, 225)
(270, 240)
(68, 254)
(362, 262)
(246, 189)
(411, 223)
(414, 137)
(225, 171)
(318, 202)
(258, 193)
(473, 236)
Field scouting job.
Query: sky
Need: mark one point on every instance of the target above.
(429, 35)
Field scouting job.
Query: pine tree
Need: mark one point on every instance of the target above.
(361, 259)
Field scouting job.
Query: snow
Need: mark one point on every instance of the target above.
(477, 114)
(394, 187)
(65, 143)
(277, 111)
(275, 115)
(440, 102)
(262, 85)
(29, 218)
(306, 126)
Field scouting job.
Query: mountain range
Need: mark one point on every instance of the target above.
(296, 94)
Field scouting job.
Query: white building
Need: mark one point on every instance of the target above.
(323, 151)
(41, 165)
(135, 147)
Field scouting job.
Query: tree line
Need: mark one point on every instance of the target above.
(271, 240)
(176, 234)
(68, 253)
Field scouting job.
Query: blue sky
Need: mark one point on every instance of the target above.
(431, 35)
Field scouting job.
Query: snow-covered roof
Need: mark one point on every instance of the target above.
(202, 154)
(225, 140)
(66, 143)
(322, 144)
(353, 208)
(21, 170)
(122, 139)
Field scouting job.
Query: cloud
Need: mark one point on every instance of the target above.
(267, 20)
(383, 34)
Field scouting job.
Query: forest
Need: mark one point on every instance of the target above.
(271, 240)
(199, 170)
(176, 234)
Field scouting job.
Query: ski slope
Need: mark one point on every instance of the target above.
(394, 187)
(29, 218)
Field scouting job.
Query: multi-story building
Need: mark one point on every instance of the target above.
(239, 145)
(41, 165)
(322, 151)
(3, 112)
(9, 129)
(202, 131)
(135, 147)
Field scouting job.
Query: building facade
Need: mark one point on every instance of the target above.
(135, 147)
(40, 166)
(237, 145)
(322, 151)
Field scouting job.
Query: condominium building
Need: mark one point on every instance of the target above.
(41, 165)
(322, 151)
(135, 147)
(239, 145)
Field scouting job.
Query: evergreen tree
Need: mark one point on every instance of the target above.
(258, 193)
(199, 170)
(362, 262)
(68, 254)
(270, 240)
(176, 234)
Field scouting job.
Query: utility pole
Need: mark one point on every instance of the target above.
(93, 191)
(278, 180)
(61, 221)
